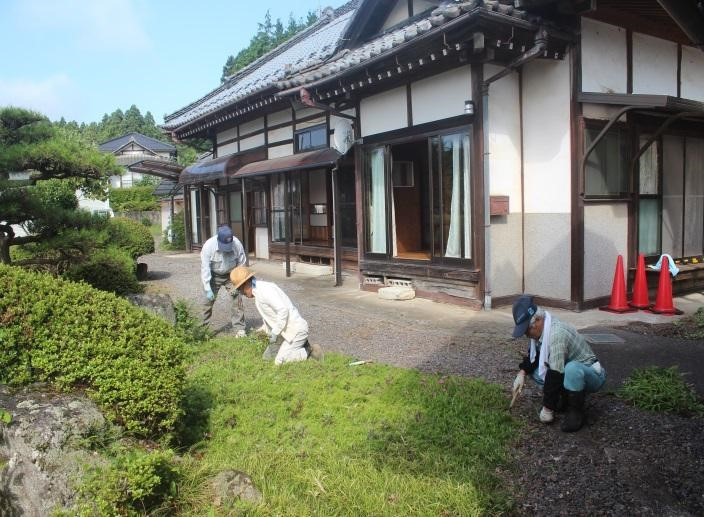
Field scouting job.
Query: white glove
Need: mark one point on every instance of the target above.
(546, 415)
(518, 384)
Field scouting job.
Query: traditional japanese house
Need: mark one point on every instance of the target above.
(474, 150)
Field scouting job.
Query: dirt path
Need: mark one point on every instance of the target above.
(624, 462)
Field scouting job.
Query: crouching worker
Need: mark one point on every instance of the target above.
(559, 360)
(282, 321)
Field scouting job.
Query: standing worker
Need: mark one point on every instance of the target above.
(282, 321)
(221, 254)
(560, 360)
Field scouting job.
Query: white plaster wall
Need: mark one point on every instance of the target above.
(505, 138)
(224, 150)
(277, 135)
(280, 150)
(654, 65)
(384, 111)
(228, 134)
(605, 238)
(397, 15)
(279, 117)
(599, 111)
(441, 96)
(310, 123)
(547, 169)
(604, 57)
(692, 74)
(505, 168)
(165, 215)
(252, 142)
(252, 126)
(307, 112)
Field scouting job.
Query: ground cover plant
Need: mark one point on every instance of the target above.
(327, 438)
(661, 389)
(128, 361)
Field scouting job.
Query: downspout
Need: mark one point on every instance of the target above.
(534, 52)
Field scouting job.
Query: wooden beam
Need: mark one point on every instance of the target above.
(337, 233)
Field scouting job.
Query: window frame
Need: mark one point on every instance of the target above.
(596, 124)
(323, 126)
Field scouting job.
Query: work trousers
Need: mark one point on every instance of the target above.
(294, 350)
(236, 304)
(579, 377)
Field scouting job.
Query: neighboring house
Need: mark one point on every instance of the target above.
(132, 148)
(495, 150)
(170, 195)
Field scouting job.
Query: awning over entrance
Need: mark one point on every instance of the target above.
(664, 103)
(160, 168)
(310, 160)
(213, 170)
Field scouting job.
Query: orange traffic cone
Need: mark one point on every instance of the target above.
(618, 291)
(640, 298)
(663, 301)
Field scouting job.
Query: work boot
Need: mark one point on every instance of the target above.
(574, 419)
(561, 401)
(314, 351)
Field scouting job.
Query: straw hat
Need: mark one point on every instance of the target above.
(240, 275)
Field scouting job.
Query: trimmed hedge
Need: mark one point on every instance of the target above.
(131, 236)
(111, 269)
(133, 199)
(129, 362)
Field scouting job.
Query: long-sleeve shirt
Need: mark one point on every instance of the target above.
(277, 310)
(566, 344)
(216, 262)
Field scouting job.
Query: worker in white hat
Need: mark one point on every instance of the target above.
(282, 321)
(221, 254)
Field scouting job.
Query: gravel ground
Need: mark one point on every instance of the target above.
(624, 462)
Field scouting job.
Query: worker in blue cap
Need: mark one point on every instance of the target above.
(220, 254)
(560, 360)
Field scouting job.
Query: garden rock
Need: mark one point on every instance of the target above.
(231, 485)
(159, 304)
(41, 449)
(142, 271)
(397, 293)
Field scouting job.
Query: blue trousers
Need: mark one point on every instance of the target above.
(578, 377)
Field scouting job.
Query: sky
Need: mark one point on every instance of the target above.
(79, 59)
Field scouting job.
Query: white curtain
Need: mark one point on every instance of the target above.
(454, 243)
(460, 201)
(377, 212)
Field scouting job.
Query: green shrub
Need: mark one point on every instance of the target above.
(133, 199)
(661, 389)
(135, 482)
(128, 361)
(111, 269)
(177, 228)
(190, 326)
(130, 235)
(146, 222)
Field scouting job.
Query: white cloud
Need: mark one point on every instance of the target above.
(92, 24)
(53, 96)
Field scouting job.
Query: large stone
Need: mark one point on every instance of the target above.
(41, 449)
(159, 304)
(397, 293)
(230, 485)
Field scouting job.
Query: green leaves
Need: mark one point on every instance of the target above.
(5, 416)
(661, 389)
(129, 362)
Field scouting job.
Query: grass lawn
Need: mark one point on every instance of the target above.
(326, 438)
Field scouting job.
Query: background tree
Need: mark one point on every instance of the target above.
(58, 162)
(268, 36)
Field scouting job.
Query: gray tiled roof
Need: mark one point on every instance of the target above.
(310, 47)
(392, 39)
(145, 141)
(310, 56)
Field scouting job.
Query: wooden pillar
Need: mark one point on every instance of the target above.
(245, 221)
(187, 217)
(336, 225)
(287, 222)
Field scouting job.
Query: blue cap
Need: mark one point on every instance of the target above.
(225, 239)
(523, 311)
